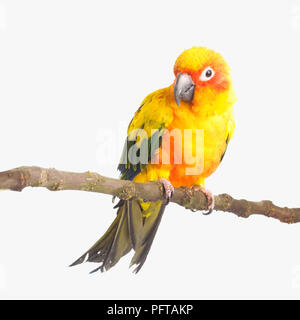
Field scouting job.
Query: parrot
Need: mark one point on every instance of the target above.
(200, 98)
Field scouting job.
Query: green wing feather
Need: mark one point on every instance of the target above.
(145, 131)
(130, 229)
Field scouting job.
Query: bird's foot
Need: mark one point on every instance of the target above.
(210, 199)
(168, 188)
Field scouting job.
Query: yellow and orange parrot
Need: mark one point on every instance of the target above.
(201, 97)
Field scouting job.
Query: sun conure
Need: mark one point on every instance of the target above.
(199, 100)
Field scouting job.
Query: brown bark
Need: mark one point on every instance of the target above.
(191, 198)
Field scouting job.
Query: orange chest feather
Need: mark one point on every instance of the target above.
(193, 146)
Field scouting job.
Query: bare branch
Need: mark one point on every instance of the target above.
(190, 198)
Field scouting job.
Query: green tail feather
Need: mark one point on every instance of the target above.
(129, 230)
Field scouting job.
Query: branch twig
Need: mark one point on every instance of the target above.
(190, 198)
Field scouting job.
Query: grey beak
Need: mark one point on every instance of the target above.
(184, 88)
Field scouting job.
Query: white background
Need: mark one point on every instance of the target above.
(72, 73)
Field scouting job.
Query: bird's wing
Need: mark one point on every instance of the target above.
(229, 132)
(145, 133)
(230, 128)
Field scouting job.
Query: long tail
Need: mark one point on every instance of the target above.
(133, 228)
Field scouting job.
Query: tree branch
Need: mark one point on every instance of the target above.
(190, 198)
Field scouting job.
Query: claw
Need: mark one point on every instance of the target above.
(210, 200)
(168, 188)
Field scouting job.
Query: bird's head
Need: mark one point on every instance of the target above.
(201, 74)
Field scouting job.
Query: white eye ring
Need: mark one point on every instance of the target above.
(207, 74)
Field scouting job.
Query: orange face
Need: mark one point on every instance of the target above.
(211, 74)
(199, 68)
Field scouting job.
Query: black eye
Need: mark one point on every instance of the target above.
(208, 73)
